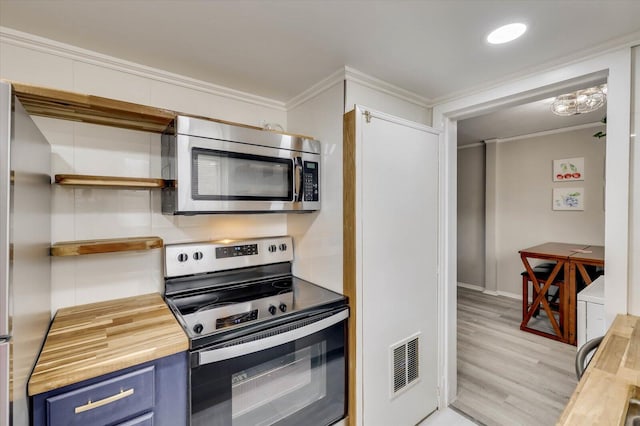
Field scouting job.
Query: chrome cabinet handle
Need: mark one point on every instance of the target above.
(108, 400)
(297, 162)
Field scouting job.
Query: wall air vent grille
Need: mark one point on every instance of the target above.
(405, 364)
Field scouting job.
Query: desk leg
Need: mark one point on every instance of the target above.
(540, 299)
(570, 330)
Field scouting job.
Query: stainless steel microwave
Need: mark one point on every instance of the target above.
(215, 167)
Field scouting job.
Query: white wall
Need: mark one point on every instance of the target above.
(524, 216)
(634, 216)
(318, 236)
(90, 149)
(471, 215)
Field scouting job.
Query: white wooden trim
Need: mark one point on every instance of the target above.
(509, 294)
(473, 287)
(366, 80)
(316, 89)
(471, 145)
(51, 47)
(617, 65)
(550, 132)
(447, 261)
(398, 120)
(536, 134)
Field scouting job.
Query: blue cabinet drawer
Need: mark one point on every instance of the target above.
(107, 402)
(143, 420)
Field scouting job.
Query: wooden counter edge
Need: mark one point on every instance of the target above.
(565, 418)
(175, 342)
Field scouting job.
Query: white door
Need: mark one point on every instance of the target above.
(397, 207)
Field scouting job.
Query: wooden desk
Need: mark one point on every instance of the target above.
(571, 257)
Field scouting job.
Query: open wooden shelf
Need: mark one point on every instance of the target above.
(78, 248)
(65, 105)
(111, 182)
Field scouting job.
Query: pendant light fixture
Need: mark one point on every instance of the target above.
(580, 101)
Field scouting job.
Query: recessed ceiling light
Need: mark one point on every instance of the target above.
(506, 33)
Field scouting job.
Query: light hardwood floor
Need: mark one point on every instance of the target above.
(506, 376)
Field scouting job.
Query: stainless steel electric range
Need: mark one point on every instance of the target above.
(266, 347)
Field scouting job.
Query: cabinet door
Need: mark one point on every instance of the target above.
(143, 420)
(595, 321)
(105, 402)
(158, 386)
(393, 179)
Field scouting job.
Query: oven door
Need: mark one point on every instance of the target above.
(290, 375)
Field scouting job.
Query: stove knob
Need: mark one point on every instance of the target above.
(272, 248)
(283, 307)
(283, 247)
(198, 255)
(198, 328)
(182, 257)
(272, 310)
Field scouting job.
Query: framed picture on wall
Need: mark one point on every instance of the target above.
(568, 198)
(568, 169)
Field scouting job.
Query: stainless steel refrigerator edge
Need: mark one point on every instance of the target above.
(25, 265)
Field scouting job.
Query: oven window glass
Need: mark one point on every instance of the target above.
(267, 393)
(222, 175)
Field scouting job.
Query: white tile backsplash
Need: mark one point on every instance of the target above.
(81, 148)
(114, 275)
(109, 151)
(63, 284)
(111, 213)
(63, 214)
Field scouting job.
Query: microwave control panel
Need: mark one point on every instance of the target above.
(310, 174)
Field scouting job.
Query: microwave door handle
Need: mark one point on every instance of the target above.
(214, 355)
(297, 176)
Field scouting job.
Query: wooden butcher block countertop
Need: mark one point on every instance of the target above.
(602, 395)
(91, 340)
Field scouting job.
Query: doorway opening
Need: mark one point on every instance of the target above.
(615, 66)
(510, 197)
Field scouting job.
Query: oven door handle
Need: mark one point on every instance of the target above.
(221, 354)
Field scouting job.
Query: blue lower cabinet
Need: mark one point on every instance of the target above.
(153, 393)
(143, 420)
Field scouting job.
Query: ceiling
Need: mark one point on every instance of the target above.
(279, 48)
(523, 120)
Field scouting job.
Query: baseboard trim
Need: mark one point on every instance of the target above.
(476, 287)
(510, 295)
(471, 286)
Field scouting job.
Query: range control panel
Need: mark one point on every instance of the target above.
(212, 256)
(234, 251)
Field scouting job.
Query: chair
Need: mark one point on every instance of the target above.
(593, 272)
(542, 272)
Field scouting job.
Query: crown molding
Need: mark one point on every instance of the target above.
(316, 89)
(473, 145)
(350, 74)
(547, 132)
(41, 44)
(359, 77)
